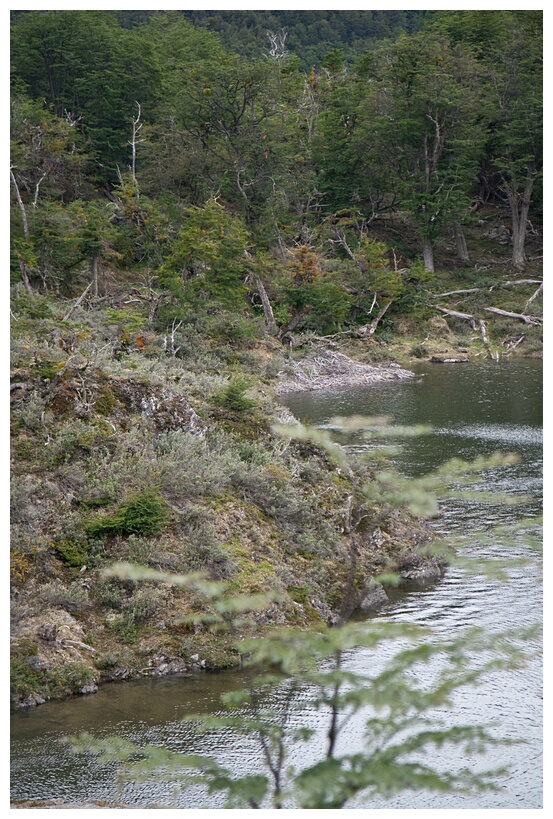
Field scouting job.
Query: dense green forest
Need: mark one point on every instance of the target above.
(140, 140)
(196, 198)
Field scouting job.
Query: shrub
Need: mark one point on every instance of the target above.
(233, 396)
(143, 514)
(71, 598)
(27, 677)
(73, 554)
(144, 603)
(110, 594)
(419, 351)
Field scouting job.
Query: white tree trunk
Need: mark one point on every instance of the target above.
(22, 265)
(94, 271)
(428, 255)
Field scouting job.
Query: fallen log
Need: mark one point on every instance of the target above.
(76, 304)
(488, 289)
(457, 314)
(519, 316)
(436, 359)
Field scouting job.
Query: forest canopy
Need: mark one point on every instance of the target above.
(199, 148)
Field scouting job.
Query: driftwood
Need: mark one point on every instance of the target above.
(514, 344)
(519, 316)
(486, 343)
(328, 369)
(458, 292)
(66, 642)
(467, 317)
(492, 287)
(436, 359)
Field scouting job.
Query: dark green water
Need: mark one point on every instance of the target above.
(474, 410)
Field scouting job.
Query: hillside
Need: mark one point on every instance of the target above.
(189, 226)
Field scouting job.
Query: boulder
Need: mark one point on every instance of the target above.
(374, 597)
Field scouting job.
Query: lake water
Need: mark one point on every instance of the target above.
(474, 410)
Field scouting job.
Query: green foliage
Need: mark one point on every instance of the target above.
(73, 554)
(234, 397)
(419, 351)
(88, 68)
(143, 514)
(208, 256)
(240, 150)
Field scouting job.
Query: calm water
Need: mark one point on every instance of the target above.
(474, 410)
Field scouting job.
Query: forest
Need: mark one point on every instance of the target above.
(137, 144)
(204, 207)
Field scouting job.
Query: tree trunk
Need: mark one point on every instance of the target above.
(294, 321)
(460, 243)
(94, 271)
(22, 265)
(428, 255)
(520, 205)
(267, 309)
(368, 330)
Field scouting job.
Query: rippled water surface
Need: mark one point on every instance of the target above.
(474, 410)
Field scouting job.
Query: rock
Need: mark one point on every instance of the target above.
(377, 538)
(374, 597)
(499, 234)
(33, 699)
(89, 689)
(326, 613)
(424, 571)
(167, 410)
(272, 614)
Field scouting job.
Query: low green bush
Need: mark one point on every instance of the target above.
(143, 514)
(233, 396)
(73, 554)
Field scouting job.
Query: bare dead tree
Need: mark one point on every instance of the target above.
(136, 128)
(169, 340)
(22, 263)
(267, 308)
(277, 44)
(532, 297)
(368, 330)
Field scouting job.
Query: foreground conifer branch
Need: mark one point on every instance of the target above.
(403, 712)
